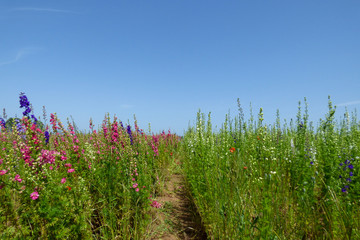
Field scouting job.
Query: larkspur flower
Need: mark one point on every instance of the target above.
(17, 178)
(34, 195)
(34, 118)
(47, 137)
(24, 103)
(155, 204)
(2, 123)
(130, 134)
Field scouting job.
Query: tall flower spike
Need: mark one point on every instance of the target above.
(24, 103)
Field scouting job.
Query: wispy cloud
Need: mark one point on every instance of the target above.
(348, 103)
(19, 55)
(43, 10)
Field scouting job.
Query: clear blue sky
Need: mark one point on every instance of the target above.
(163, 60)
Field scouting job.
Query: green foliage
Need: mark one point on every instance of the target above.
(257, 181)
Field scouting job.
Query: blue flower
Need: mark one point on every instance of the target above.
(2, 122)
(35, 119)
(351, 174)
(351, 166)
(130, 134)
(47, 136)
(24, 103)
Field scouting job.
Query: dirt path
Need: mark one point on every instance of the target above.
(177, 218)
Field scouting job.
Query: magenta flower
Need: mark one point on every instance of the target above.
(137, 189)
(63, 180)
(67, 164)
(2, 172)
(17, 178)
(155, 204)
(71, 170)
(34, 195)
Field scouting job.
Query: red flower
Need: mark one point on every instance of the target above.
(245, 168)
(170, 154)
(232, 149)
(69, 188)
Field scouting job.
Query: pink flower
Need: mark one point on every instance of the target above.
(34, 195)
(67, 164)
(155, 204)
(135, 185)
(2, 172)
(71, 170)
(17, 178)
(63, 180)
(137, 189)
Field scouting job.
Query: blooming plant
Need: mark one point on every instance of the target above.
(56, 182)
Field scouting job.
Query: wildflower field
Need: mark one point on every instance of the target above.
(247, 180)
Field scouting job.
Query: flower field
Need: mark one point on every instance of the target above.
(57, 183)
(248, 180)
(255, 181)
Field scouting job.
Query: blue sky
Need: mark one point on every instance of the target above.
(165, 60)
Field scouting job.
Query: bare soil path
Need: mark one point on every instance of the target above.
(177, 218)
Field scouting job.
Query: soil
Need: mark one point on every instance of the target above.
(177, 218)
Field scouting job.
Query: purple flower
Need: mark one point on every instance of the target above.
(343, 189)
(24, 103)
(351, 174)
(47, 136)
(35, 119)
(351, 166)
(2, 122)
(130, 134)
